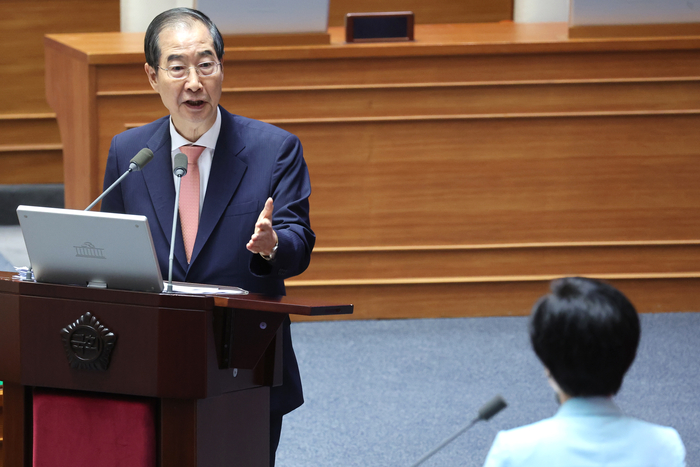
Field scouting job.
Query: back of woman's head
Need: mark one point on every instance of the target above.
(586, 333)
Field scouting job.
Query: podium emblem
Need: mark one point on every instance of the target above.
(88, 343)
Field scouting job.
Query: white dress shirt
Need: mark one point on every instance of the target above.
(208, 140)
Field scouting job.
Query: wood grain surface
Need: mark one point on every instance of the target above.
(500, 296)
(474, 164)
(27, 124)
(442, 11)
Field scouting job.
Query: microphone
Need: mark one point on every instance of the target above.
(180, 165)
(141, 158)
(487, 411)
(179, 170)
(491, 408)
(137, 163)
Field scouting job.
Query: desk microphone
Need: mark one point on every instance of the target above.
(179, 170)
(488, 410)
(137, 163)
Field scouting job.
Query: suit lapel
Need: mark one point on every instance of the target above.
(226, 173)
(159, 180)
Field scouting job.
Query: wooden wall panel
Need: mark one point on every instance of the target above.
(457, 178)
(26, 120)
(79, 97)
(504, 297)
(24, 24)
(461, 98)
(459, 69)
(441, 300)
(539, 179)
(31, 166)
(27, 130)
(123, 79)
(430, 263)
(508, 180)
(119, 113)
(30, 149)
(441, 11)
(426, 69)
(285, 105)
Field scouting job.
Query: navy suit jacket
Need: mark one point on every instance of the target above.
(252, 161)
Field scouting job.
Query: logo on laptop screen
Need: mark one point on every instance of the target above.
(88, 250)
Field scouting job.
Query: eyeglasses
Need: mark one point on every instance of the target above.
(182, 72)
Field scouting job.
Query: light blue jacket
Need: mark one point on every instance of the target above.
(588, 432)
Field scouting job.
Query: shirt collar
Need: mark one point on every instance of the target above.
(588, 406)
(208, 139)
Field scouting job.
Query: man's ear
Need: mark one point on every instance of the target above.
(152, 75)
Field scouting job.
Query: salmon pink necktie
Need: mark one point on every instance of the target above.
(189, 198)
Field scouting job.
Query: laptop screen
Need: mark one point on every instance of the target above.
(95, 249)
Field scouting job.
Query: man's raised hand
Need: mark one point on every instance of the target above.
(264, 238)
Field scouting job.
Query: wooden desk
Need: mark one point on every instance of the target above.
(455, 175)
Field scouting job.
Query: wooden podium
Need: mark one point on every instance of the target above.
(208, 362)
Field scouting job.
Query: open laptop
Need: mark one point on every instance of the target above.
(94, 249)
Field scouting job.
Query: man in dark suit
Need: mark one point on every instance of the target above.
(252, 227)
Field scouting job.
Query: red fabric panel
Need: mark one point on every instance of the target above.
(76, 430)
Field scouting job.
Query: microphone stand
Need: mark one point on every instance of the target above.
(111, 187)
(180, 171)
(490, 409)
(136, 163)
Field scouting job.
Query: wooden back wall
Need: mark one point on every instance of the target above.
(448, 179)
(458, 174)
